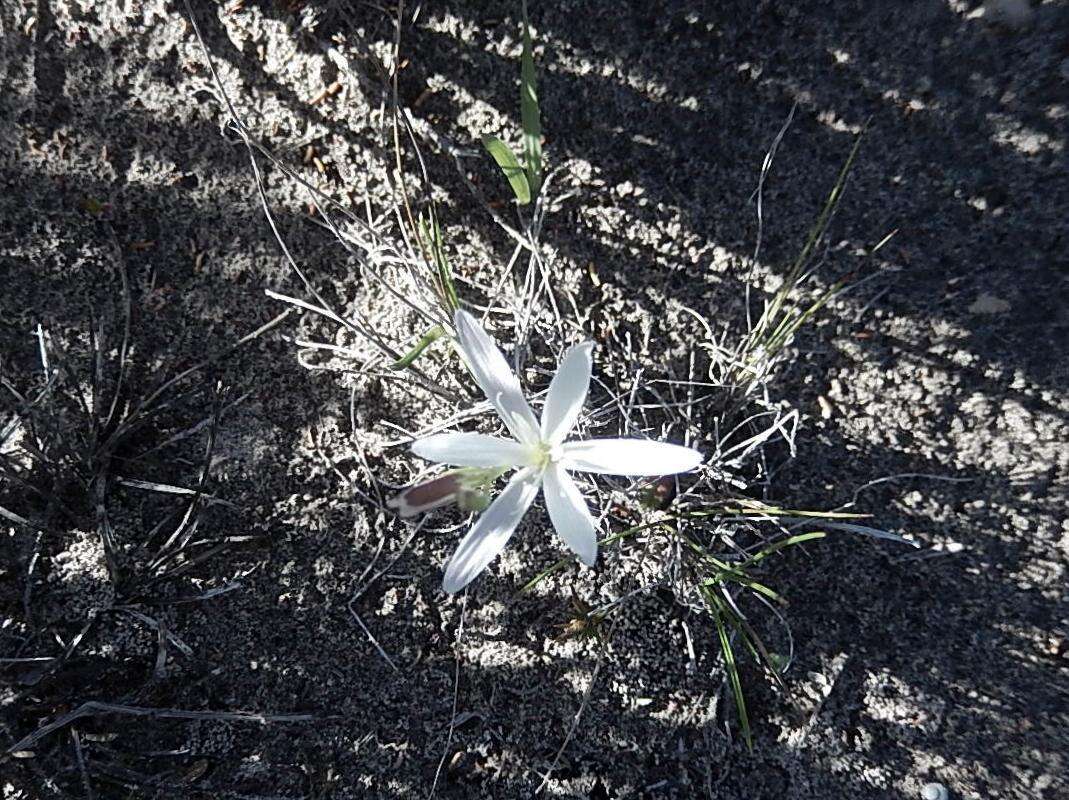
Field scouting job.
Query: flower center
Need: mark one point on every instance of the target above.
(543, 454)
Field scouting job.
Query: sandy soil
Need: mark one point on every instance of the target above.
(946, 362)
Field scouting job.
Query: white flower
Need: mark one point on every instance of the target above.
(540, 454)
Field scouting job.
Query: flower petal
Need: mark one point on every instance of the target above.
(629, 457)
(492, 531)
(470, 450)
(567, 393)
(570, 515)
(498, 382)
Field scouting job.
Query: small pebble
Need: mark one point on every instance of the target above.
(934, 791)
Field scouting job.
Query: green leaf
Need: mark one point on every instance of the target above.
(734, 681)
(875, 533)
(776, 547)
(506, 159)
(742, 580)
(432, 235)
(429, 338)
(529, 112)
(541, 576)
(779, 321)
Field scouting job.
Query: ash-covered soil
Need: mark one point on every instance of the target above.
(948, 665)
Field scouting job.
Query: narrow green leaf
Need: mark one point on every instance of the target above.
(541, 576)
(875, 533)
(743, 580)
(751, 509)
(529, 112)
(431, 336)
(737, 623)
(816, 233)
(780, 321)
(734, 681)
(753, 643)
(772, 548)
(506, 159)
(432, 234)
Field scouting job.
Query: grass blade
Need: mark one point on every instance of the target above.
(744, 580)
(732, 667)
(780, 320)
(506, 160)
(772, 548)
(432, 235)
(529, 112)
(865, 530)
(746, 508)
(429, 338)
(752, 641)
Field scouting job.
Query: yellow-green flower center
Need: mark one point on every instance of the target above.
(543, 454)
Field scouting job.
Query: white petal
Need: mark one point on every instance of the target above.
(629, 457)
(492, 531)
(470, 450)
(570, 515)
(567, 393)
(498, 382)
